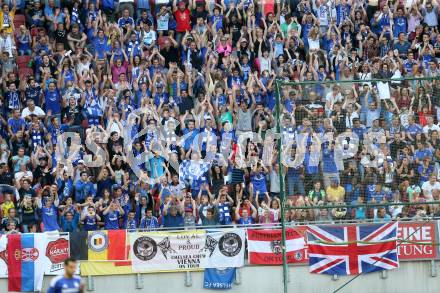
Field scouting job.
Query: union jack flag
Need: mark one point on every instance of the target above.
(351, 249)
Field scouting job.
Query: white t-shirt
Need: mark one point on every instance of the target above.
(114, 127)
(265, 64)
(149, 37)
(349, 119)
(313, 44)
(427, 188)
(162, 22)
(427, 128)
(19, 175)
(37, 111)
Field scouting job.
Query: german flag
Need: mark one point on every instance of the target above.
(99, 245)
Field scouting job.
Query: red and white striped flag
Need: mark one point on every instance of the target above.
(265, 246)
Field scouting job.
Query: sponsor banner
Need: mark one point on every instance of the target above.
(57, 250)
(183, 251)
(416, 232)
(265, 246)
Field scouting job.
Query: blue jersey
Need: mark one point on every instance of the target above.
(16, 124)
(33, 93)
(224, 210)
(49, 215)
(259, 182)
(90, 223)
(413, 129)
(359, 132)
(130, 224)
(408, 65)
(102, 48)
(124, 21)
(112, 220)
(188, 137)
(421, 154)
(400, 25)
(13, 99)
(108, 4)
(53, 101)
(173, 221)
(328, 161)
(164, 96)
(149, 223)
(384, 21)
(219, 19)
(247, 221)
(342, 12)
(310, 169)
(61, 284)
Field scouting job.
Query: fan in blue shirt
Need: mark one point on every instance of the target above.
(84, 188)
(90, 220)
(52, 99)
(399, 22)
(16, 123)
(111, 216)
(102, 48)
(412, 129)
(172, 216)
(328, 160)
(125, 19)
(422, 151)
(149, 222)
(49, 213)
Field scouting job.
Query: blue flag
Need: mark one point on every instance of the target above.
(192, 170)
(219, 278)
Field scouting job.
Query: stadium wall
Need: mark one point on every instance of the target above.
(415, 276)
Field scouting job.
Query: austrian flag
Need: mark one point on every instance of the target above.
(265, 246)
(351, 249)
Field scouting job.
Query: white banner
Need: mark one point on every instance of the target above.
(226, 248)
(188, 250)
(3, 256)
(57, 250)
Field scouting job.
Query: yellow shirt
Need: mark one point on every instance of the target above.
(6, 206)
(8, 23)
(335, 194)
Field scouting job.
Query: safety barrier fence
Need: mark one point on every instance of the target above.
(318, 101)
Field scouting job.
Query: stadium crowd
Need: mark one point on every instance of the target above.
(208, 68)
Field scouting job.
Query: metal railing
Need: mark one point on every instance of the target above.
(278, 88)
(363, 205)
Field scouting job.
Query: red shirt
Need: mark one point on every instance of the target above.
(183, 20)
(423, 118)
